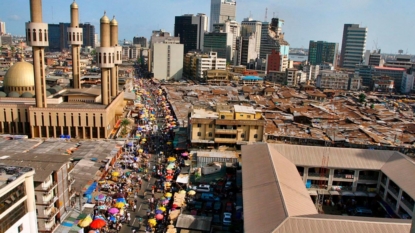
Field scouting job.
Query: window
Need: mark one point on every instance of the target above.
(20, 228)
(105, 58)
(241, 115)
(40, 35)
(256, 127)
(210, 125)
(210, 134)
(242, 136)
(28, 34)
(34, 34)
(69, 36)
(222, 116)
(73, 36)
(199, 134)
(249, 116)
(199, 125)
(255, 135)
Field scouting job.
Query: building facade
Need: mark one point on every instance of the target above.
(140, 41)
(2, 28)
(168, 61)
(320, 52)
(58, 36)
(248, 49)
(235, 125)
(222, 10)
(17, 205)
(231, 27)
(333, 80)
(191, 30)
(272, 37)
(353, 45)
(251, 27)
(219, 42)
(373, 58)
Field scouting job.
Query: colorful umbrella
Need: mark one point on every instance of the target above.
(100, 197)
(152, 222)
(191, 192)
(85, 222)
(182, 191)
(159, 216)
(162, 208)
(113, 210)
(168, 195)
(168, 143)
(185, 154)
(169, 171)
(119, 205)
(169, 177)
(159, 211)
(171, 166)
(121, 199)
(171, 159)
(115, 174)
(97, 224)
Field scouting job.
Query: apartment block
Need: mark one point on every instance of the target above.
(332, 80)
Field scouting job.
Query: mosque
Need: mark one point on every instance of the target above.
(29, 107)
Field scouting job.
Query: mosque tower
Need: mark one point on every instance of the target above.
(37, 37)
(75, 39)
(117, 52)
(105, 58)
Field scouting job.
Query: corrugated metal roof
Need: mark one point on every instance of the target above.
(341, 224)
(346, 158)
(401, 170)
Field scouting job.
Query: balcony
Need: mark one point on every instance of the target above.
(72, 193)
(363, 177)
(343, 176)
(393, 190)
(70, 168)
(50, 226)
(49, 213)
(48, 200)
(317, 175)
(71, 180)
(225, 140)
(51, 186)
(226, 131)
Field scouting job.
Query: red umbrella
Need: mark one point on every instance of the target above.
(169, 177)
(98, 223)
(159, 216)
(169, 171)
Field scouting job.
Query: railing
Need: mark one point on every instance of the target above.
(51, 213)
(71, 167)
(51, 201)
(225, 140)
(364, 177)
(72, 193)
(226, 131)
(50, 187)
(408, 204)
(313, 174)
(393, 190)
(383, 181)
(71, 180)
(344, 176)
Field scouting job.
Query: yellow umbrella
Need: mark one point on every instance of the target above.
(115, 173)
(152, 222)
(171, 159)
(168, 195)
(119, 205)
(85, 222)
(191, 192)
(168, 143)
(140, 150)
(182, 191)
(167, 117)
(162, 208)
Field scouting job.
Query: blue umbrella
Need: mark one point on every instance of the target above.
(120, 199)
(159, 211)
(113, 218)
(100, 217)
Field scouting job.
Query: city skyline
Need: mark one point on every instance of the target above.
(304, 20)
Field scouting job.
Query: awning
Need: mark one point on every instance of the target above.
(312, 192)
(183, 179)
(334, 193)
(347, 194)
(323, 192)
(360, 194)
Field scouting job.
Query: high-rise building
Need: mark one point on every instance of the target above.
(222, 10)
(168, 61)
(2, 28)
(220, 42)
(272, 37)
(58, 40)
(191, 30)
(372, 58)
(320, 52)
(141, 41)
(249, 27)
(353, 45)
(248, 50)
(231, 27)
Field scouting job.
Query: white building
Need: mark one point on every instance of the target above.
(233, 29)
(249, 27)
(17, 195)
(333, 80)
(168, 61)
(311, 72)
(407, 83)
(222, 10)
(248, 49)
(209, 63)
(2, 28)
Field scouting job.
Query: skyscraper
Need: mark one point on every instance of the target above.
(249, 27)
(2, 28)
(320, 52)
(231, 27)
(89, 34)
(221, 10)
(191, 30)
(272, 38)
(353, 45)
(58, 39)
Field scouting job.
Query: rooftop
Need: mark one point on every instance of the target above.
(10, 173)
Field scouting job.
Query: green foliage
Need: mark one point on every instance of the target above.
(362, 98)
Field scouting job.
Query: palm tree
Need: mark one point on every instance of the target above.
(124, 123)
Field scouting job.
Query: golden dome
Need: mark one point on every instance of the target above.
(74, 5)
(114, 22)
(105, 19)
(20, 75)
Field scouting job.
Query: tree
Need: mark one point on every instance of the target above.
(372, 106)
(362, 98)
(124, 123)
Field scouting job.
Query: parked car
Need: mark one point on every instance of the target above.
(229, 206)
(216, 218)
(228, 185)
(217, 206)
(203, 188)
(227, 218)
(209, 206)
(209, 197)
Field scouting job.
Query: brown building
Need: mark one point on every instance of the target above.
(273, 61)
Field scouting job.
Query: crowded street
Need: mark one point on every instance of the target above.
(138, 193)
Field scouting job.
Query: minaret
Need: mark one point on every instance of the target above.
(117, 53)
(75, 39)
(37, 37)
(105, 58)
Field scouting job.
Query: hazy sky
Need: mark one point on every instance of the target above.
(390, 22)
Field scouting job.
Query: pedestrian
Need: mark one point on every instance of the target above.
(134, 207)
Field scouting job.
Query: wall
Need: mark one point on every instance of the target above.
(168, 66)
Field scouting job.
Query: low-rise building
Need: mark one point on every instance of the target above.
(216, 77)
(407, 83)
(196, 63)
(291, 77)
(235, 125)
(383, 84)
(17, 200)
(332, 80)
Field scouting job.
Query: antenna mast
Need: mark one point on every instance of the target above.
(266, 15)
